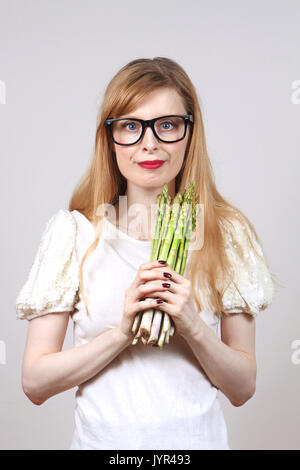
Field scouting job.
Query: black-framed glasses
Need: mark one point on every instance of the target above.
(169, 129)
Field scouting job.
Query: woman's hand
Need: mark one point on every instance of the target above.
(177, 297)
(135, 294)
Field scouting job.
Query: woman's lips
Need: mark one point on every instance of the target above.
(152, 165)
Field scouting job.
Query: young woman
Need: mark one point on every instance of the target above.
(96, 269)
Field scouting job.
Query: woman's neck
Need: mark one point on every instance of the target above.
(135, 211)
(135, 226)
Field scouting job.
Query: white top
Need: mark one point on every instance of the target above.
(147, 397)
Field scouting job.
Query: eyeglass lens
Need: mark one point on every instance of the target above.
(127, 131)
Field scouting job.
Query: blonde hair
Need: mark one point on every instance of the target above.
(103, 182)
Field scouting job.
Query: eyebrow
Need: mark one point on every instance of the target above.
(161, 115)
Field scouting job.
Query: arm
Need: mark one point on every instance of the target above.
(47, 370)
(229, 363)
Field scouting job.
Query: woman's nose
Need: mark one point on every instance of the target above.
(149, 137)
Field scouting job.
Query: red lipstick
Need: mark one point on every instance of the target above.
(151, 164)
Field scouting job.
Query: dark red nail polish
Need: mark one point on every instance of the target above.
(166, 284)
(161, 261)
(159, 301)
(168, 275)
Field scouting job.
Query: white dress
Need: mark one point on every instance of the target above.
(147, 397)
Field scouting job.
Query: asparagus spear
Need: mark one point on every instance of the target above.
(179, 232)
(179, 256)
(165, 328)
(137, 337)
(161, 199)
(155, 327)
(178, 237)
(176, 206)
(164, 227)
(137, 322)
(174, 229)
(162, 317)
(182, 256)
(146, 323)
(146, 318)
(148, 314)
(167, 337)
(191, 227)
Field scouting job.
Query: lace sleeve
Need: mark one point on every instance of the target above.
(54, 276)
(251, 289)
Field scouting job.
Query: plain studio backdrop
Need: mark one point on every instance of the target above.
(56, 58)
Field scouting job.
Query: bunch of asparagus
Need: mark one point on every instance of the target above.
(174, 223)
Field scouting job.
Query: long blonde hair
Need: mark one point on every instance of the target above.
(103, 183)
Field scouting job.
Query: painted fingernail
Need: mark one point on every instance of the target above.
(166, 284)
(159, 301)
(168, 275)
(162, 261)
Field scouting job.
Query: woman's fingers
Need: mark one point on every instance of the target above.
(144, 268)
(152, 264)
(145, 304)
(167, 302)
(157, 285)
(176, 277)
(155, 276)
(163, 274)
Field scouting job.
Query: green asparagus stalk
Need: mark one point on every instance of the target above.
(167, 339)
(146, 328)
(155, 225)
(148, 314)
(155, 327)
(146, 317)
(179, 232)
(137, 321)
(164, 227)
(173, 252)
(137, 337)
(161, 200)
(164, 251)
(166, 324)
(172, 232)
(146, 322)
(191, 227)
(163, 254)
(179, 256)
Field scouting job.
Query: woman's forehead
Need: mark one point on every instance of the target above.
(161, 102)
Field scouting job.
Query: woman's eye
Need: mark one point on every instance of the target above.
(129, 126)
(166, 124)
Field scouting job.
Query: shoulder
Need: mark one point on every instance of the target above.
(61, 226)
(58, 239)
(63, 217)
(251, 286)
(241, 238)
(53, 279)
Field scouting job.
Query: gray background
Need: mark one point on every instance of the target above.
(56, 58)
